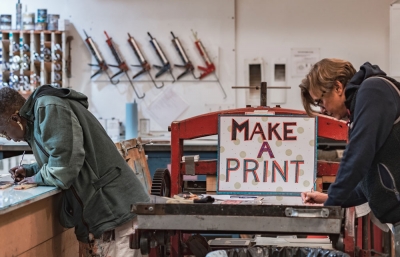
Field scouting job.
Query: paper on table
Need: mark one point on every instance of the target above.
(5, 184)
(167, 108)
(24, 186)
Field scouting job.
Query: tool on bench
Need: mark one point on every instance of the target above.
(191, 198)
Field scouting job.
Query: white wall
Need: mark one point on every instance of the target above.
(355, 30)
(213, 21)
(233, 32)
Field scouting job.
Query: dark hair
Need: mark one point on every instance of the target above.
(10, 102)
(322, 77)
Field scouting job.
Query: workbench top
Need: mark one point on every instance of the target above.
(159, 143)
(6, 145)
(11, 199)
(163, 143)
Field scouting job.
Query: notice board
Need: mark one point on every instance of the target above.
(266, 155)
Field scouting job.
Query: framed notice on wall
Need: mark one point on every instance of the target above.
(266, 155)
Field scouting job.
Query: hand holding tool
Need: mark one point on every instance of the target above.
(312, 187)
(20, 162)
(20, 176)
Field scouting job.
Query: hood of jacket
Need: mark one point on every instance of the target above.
(367, 70)
(26, 110)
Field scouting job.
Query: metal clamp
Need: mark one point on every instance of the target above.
(263, 91)
(148, 208)
(189, 165)
(126, 146)
(307, 213)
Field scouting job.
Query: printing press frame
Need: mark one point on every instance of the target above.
(160, 221)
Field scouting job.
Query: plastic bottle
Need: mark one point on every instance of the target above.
(131, 121)
(18, 19)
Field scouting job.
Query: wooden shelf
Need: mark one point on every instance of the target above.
(32, 31)
(36, 39)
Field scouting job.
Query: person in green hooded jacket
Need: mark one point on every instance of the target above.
(74, 153)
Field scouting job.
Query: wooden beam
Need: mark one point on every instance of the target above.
(30, 226)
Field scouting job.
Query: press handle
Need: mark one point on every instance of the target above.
(307, 213)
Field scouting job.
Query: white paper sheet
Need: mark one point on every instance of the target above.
(302, 59)
(167, 108)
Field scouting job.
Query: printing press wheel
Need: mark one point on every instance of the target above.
(161, 184)
(145, 243)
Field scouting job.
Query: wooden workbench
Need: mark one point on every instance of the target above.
(29, 223)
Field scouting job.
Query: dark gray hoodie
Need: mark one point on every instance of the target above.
(370, 168)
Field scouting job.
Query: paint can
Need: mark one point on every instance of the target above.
(41, 26)
(41, 15)
(5, 21)
(28, 21)
(52, 21)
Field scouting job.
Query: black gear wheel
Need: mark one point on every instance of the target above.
(145, 244)
(161, 184)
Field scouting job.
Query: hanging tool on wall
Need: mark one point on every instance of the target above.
(187, 63)
(68, 62)
(101, 63)
(143, 62)
(166, 66)
(210, 65)
(121, 65)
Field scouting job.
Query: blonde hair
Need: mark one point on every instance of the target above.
(322, 77)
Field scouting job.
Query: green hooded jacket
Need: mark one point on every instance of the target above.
(74, 153)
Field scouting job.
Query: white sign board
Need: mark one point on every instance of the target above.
(266, 155)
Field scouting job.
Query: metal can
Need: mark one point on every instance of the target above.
(41, 15)
(41, 26)
(52, 21)
(5, 21)
(28, 21)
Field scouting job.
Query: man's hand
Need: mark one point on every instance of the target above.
(18, 173)
(313, 198)
(27, 180)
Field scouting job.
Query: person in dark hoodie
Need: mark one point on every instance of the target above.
(370, 168)
(74, 153)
